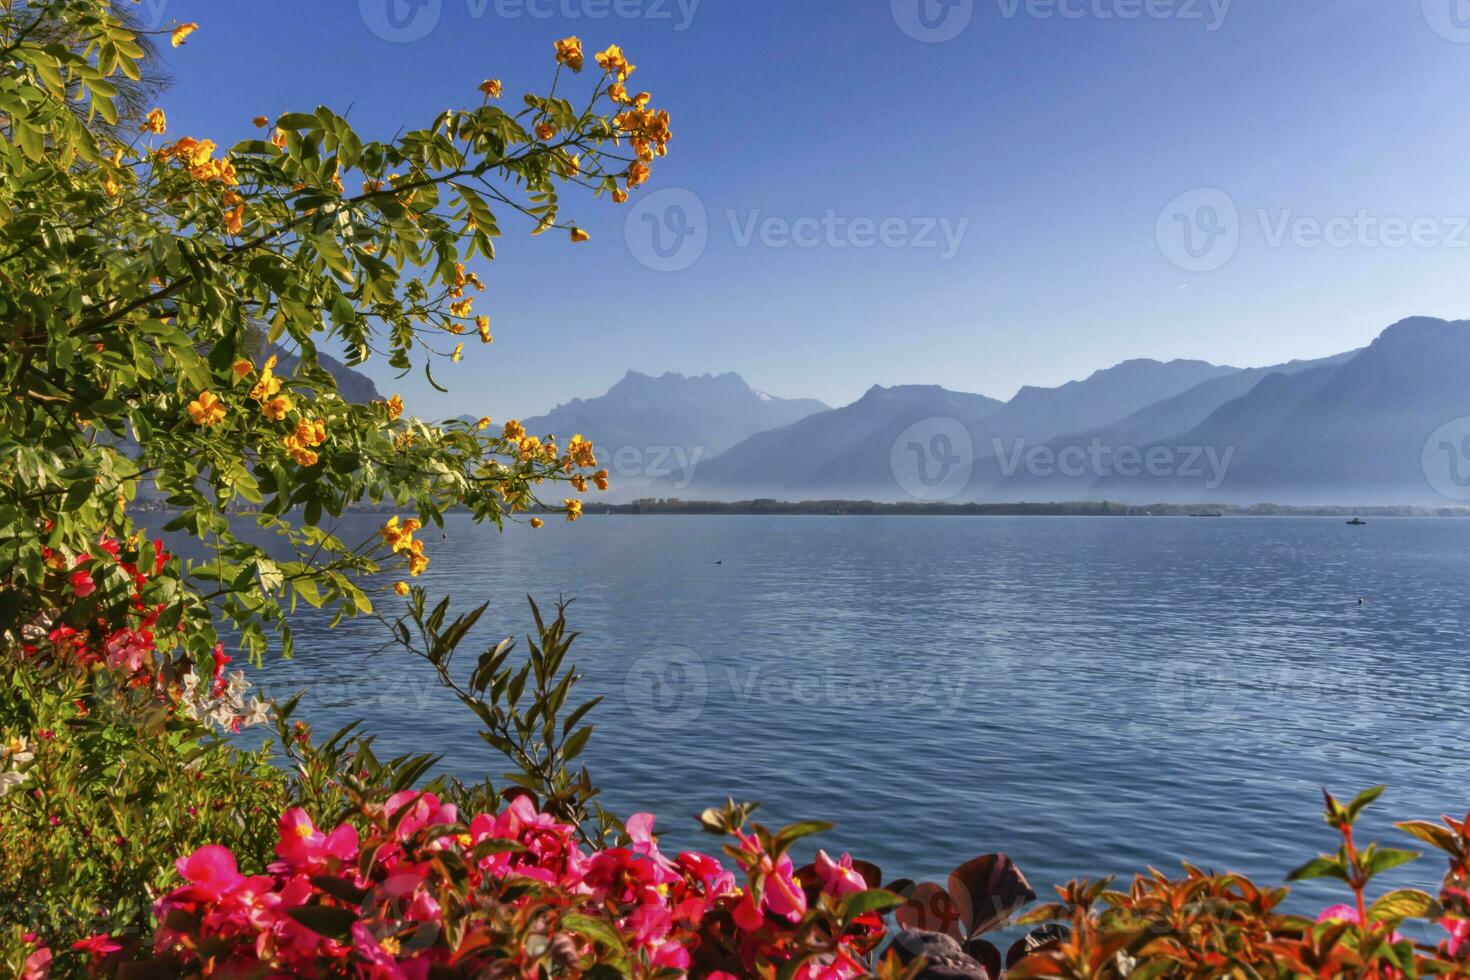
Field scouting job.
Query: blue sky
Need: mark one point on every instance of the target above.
(1000, 207)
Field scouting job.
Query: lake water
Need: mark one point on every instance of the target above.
(1088, 695)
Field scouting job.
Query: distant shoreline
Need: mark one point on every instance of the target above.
(870, 508)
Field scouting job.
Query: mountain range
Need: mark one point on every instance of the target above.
(1352, 428)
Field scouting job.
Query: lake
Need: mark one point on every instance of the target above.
(1089, 695)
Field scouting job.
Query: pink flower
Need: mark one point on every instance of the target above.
(838, 877)
(82, 584)
(129, 650)
(212, 871)
(37, 966)
(99, 945)
(304, 848)
(781, 896)
(1340, 913)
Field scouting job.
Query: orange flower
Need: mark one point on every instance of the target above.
(277, 408)
(537, 522)
(242, 367)
(181, 33)
(574, 508)
(395, 407)
(638, 173)
(154, 122)
(491, 87)
(261, 122)
(482, 325)
(545, 131)
(235, 220)
(613, 62)
(401, 588)
(619, 195)
(578, 236)
(569, 52)
(206, 410)
(600, 478)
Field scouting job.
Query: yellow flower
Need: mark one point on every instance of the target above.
(312, 433)
(277, 408)
(569, 52)
(458, 354)
(154, 122)
(578, 236)
(514, 430)
(537, 522)
(279, 139)
(261, 122)
(483, 424)
(463, 307)
(613, 62)
(600, 478)
(111, 187)
(181, 33)
(579, 452)
(619, 195)
(574, 508)
(372, 186)
(618, 92)
(482, 324)
(637, 174)
(401, 588)
(579, 482)
(545, 131)
(235, 220)
(491, 87)
(242, 367)
(268, 384)
(206, 409)
(395, 407)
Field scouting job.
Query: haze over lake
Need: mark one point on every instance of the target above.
(1088, 695)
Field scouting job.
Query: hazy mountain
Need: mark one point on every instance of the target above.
(645, 426)
(852, 452)
(1353, 432)
(841, 452)
(1039, 414)
(355, 386)
(1145, 427)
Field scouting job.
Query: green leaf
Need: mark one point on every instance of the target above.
(1382, 860)
(869, 900)
(597, 930)
(330, 922)
(1362, 800)
(1321, 867)
(1404, 903)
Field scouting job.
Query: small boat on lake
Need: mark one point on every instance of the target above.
(1357, 522)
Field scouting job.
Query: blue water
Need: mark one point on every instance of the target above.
(1088, 695)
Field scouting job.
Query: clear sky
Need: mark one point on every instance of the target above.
(991, 188)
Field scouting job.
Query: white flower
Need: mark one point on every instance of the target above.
(18, 750)
(10, 780)
(259, 713)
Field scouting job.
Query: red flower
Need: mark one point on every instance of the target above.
(82, 584)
